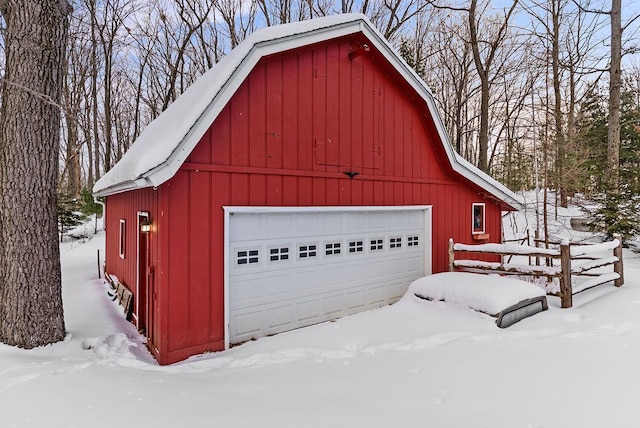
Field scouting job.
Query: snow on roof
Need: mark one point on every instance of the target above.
(166, 142)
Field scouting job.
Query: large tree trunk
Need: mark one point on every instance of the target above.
(31, 311)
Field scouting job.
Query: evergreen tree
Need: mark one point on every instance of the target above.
(90, 207)
(69, 214)
(616, 211)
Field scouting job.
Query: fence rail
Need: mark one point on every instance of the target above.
(566, 254)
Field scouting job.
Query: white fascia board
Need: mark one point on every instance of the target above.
(124, 186)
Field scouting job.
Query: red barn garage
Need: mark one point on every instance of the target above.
(305, 177)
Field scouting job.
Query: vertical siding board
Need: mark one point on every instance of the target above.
(333, 192)
(345, 192)
(240, 125)
(419, 160)
(162, 267)
(333, 112)
(389, 193)
(274, 190)
(356, 192)
(319, 117)
(305, 191)
(290, 191)
(407, 193)
(202, 152)
(257, 190)
(199, 262)
(305, 103)
(417, 194)
(346, 98)
(222, 130)
(378, 193)
(319, 192)
(357, 123)
(367, 193)
(367, 116)
(409, 142)
(258, 117)
(239, 188)
(290, 118)
(388, 134)
(399, 134)
(179, 255)
(274, 91)
(221, 195)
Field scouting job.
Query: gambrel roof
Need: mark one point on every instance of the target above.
(165, 143)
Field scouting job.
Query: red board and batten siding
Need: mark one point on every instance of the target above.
(290, 132)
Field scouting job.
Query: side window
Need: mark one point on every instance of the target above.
(123, 238)
(478, 219)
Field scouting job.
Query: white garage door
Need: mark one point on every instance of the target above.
(295, 267)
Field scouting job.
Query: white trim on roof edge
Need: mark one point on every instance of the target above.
(166, 142)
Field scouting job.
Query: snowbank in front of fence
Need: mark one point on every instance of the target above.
(485, 293)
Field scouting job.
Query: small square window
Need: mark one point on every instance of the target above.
(395, 242)
(356, 247)
(477, 226)
(376, 244)
(278, 254)
(412, 241)
(246, 257)
(307, 251)
(122, 238)
(332, 248)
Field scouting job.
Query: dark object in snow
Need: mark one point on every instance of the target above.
(521, 310)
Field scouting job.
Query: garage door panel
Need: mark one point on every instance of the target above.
(308, 312)
(279, 317)
(356, 300)
(292, 269)
(396, 290)
(247, 324)
(377, 296)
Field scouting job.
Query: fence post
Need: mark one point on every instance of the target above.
(536, 237)
(566, 290)
(618, 266)
(529, 243)
(451, 255)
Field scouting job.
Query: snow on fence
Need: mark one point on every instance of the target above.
(585, 256)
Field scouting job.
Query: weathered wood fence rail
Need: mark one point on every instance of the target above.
(585, 257)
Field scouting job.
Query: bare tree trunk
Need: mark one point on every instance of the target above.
(557, 103)
(94, 91)
(484, 68)
(615, 84)
(31, 312)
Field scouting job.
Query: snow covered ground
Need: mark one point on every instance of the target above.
(417, 363)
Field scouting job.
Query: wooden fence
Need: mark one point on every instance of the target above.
(564, 269)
